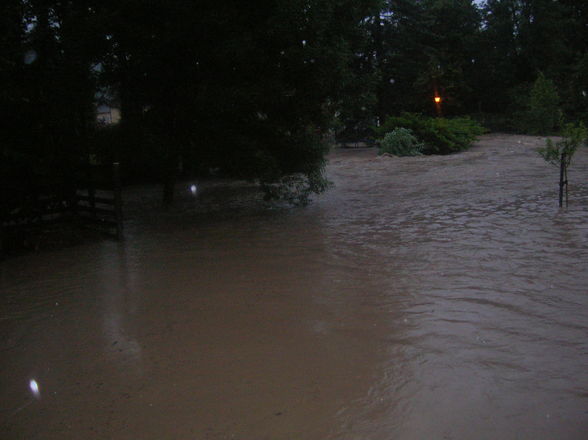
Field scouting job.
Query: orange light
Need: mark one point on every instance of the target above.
(437, 99)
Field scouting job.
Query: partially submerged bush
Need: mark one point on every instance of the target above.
(573, 135)
(295, 189)
(439, 135)
(561, 153)
(401, 142)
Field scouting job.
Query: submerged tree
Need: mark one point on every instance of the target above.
(561, 152)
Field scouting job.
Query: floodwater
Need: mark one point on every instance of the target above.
(420, 298)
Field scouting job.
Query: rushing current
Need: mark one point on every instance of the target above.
(418, 298)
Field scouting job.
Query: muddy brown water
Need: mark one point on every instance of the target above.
(420, 298)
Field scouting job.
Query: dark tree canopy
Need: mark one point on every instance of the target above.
(480, 58)
(254, 91)
(249, 91)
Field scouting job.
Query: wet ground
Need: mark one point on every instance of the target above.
(420, 298)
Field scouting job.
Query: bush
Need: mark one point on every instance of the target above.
(439, 135)
(561, 153)
(401, 142)
(573, 135)
(295, 189)
(543, 115)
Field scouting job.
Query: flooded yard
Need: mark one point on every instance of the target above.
(419, 298)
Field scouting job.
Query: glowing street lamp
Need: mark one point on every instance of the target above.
(437, 100)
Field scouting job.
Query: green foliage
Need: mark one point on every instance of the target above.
(246, 91)
(249, 92)
(543, 115)
(573, 136)
(296, 189)
(562, 152)
(425, 47)
(253, 91)
(401, 142)
(439, 135)
(475, 53)
(47, 49)
(575, 93)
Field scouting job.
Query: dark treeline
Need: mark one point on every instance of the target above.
(255, 90)
(481, 59)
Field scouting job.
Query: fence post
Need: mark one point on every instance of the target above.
(117, 200)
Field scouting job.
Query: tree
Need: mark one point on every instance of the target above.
(247, 91)
(520, 38)
(453, 28)
(543, 114)
(497, 55)
(46, 59)
(357, 110)
(401, 52)
(562, 152)
(427, 48)
(574, 85)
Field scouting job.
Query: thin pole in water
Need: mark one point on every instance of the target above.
(562, 171)
(566, 184)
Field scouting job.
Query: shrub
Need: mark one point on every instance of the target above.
(295, 189)
(561, 153)
(573, 136)
(401, 142)
(543, 115)
(439, 135)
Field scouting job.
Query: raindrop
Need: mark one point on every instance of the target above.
(34, 386)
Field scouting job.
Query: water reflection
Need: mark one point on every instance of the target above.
(120, 297)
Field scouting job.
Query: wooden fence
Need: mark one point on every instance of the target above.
(95, 198)
(98, 199)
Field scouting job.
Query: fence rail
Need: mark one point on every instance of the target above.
(96, 200)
